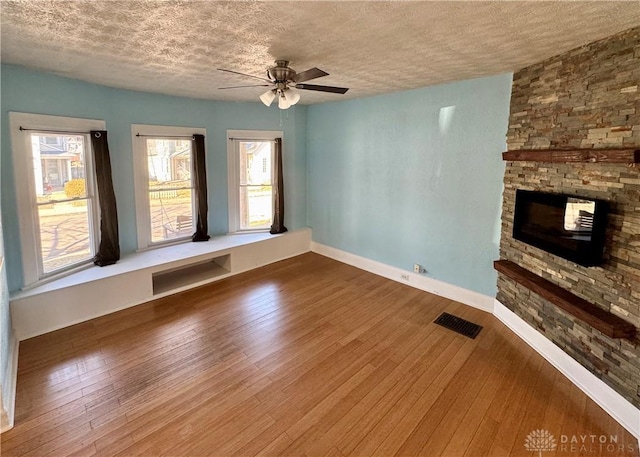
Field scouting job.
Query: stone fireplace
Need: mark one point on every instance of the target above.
(585, 99)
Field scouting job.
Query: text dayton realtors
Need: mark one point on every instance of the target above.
(594, 443)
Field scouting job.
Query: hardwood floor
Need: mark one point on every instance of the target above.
(304, 357)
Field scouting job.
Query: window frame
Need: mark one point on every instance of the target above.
(233, 172)
(26, 199)
(141, 179)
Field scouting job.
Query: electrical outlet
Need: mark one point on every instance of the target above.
(417, 268)
(404, 277)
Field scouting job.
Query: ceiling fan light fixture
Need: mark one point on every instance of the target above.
(283, 103)
(268, 97)
(292, 95)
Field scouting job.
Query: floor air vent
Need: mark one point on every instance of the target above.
(458, 324)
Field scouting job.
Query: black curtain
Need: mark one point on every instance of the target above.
(278, 192)
(109, 250)
(200, 182)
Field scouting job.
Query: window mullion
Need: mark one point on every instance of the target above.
(164, 189)
(51, 202)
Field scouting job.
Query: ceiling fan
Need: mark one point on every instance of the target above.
(286, 82)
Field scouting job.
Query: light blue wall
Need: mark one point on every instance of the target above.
(413, 177)
(404, 178)
(35, 92)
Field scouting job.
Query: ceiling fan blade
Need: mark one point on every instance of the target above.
(244, 74)
(335, 90)
(310, 74)
(252, 85)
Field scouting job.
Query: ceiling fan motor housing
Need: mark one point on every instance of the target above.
(281, 73)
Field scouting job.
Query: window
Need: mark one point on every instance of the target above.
(56, 197)
(250, 163)
(52, 140)
(164, 185)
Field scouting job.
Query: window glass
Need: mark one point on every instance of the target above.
(63, 205)
(255, 187)
(250, 176)
(170, 188)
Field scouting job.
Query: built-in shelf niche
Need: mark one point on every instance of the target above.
(628, 156)
(190, 274)
(600, 319)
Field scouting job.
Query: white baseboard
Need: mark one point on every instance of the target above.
(434, 286)
(608, 399)
(9, 384)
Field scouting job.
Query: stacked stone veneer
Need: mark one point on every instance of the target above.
(586, 98)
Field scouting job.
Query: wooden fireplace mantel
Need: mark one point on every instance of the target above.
(609, 324)
(629, 156)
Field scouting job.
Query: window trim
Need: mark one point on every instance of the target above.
(233, 173)
(141, 179)
(30, 246)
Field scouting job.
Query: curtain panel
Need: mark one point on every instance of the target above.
(278, 192)
(200, 183)
(109, 249)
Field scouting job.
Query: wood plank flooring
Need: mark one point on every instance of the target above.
(305, 357)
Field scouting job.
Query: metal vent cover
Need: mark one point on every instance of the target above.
(459, 325)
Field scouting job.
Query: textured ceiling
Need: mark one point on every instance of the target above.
(372, 47)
